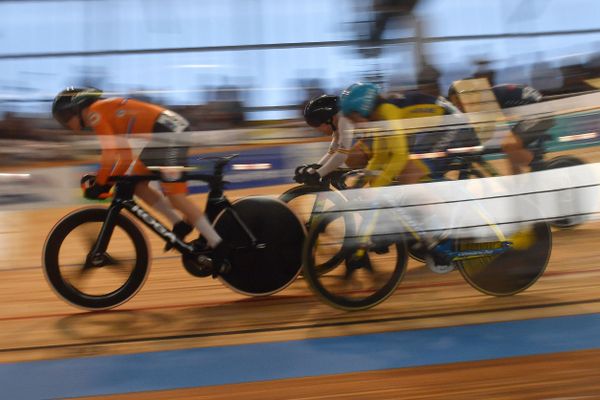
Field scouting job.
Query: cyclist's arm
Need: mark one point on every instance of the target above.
(397, 147)
(116, 155)
(343, 139)
(330, 152)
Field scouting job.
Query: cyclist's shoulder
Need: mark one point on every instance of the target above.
(344, 126)
(408, 99)
(102, 104)
(107, 105)
(125, 103)
(387, 110)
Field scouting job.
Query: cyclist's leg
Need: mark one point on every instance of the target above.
(518, 155)
(174, 154)
(177, 192)
(414, 172)
(153, 197)
(428, 225)
(160, 203)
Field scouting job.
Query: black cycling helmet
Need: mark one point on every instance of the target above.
(70, 101)
(320, 110)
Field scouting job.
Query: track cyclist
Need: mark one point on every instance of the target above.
(322, 113)
(364, 102)
(514, 142)
(390, 162)
(115, 120)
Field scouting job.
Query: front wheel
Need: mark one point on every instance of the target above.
(363, 277)
(275, 260)
(309, 202)
(109, 279)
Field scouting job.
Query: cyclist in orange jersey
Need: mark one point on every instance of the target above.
(115, 121)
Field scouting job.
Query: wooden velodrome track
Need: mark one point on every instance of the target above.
(177, 311)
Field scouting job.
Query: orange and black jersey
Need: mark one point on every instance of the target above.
(113, 120)
(122, 116)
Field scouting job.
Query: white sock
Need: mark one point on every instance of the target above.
(164, 207)
(207, 231)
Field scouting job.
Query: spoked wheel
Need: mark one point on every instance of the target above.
(513, 271)
(276, 261)
(103, 281)
(567, 198)
(309, 202)
(365, 275)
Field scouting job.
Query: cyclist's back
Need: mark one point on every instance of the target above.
(118, 115)
(513, 95)
(411, 105)
(391, 148)
(427, 139)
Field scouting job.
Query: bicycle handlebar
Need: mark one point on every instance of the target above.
(187, 172)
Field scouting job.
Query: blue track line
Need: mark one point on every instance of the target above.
(165, 370)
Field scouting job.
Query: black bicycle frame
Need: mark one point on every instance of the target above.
(123, 199)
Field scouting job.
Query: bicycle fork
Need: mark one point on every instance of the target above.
(97, 256)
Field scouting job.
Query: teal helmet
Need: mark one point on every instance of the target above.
(360, 98)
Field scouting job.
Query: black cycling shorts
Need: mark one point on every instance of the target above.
(167, 148)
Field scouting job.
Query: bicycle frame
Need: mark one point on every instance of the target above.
(367, 227)
(123, 199)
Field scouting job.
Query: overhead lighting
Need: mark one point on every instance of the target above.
(14, 175)
(246, 167)
(581, 136)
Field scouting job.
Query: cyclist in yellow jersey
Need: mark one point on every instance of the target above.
(363, 102)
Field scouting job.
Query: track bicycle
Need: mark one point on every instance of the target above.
(372, 262)
(97, 258)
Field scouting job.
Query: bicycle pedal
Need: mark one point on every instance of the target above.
(200, 246)
(199, 265)
(181, 230)
(439, 266)
(357, 260)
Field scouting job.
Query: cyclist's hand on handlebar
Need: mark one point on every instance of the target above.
(312, 177)
(309, 176)
(298, 177)
(301, 173)
(93, 190)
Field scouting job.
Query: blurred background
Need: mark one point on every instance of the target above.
(241, 71)
(227, 63)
